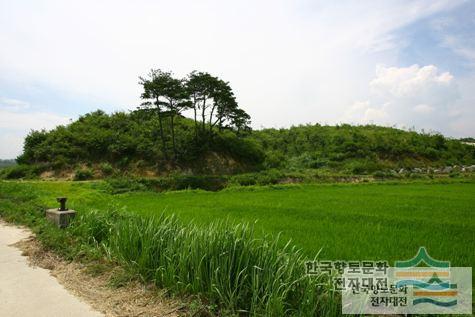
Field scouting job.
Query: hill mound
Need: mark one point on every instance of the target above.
(100, 145)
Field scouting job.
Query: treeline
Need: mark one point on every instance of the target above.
(156, 136)
(132, 142)
(194, 125)
(358, 149)
(7, 163)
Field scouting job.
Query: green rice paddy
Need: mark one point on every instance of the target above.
(375, 221)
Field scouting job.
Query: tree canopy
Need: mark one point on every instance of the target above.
(159, 136)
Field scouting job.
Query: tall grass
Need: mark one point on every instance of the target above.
(224, 264)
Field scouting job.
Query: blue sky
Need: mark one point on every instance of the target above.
(403, 63)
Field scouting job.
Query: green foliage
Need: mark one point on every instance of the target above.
(106, 169)
(358, 149)
(6, 163)
(132, 144)
(131, 140)
(82, 174)
(23, 171)
(268, 177)
(173, 182)
(119, 185)
(227, 265)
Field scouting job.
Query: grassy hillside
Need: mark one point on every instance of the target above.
(130, 144)
(359, 149)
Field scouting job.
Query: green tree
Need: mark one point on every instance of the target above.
(176, 100)
(157, 86)
(214, 100)
(201, 87)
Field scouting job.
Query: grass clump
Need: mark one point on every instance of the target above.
(227, 267)
(225, 264)
(82, 174)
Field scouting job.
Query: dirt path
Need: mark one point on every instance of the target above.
(37, 282)
(42, 284)
(32, 291)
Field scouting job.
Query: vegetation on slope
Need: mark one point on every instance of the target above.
(158, 139)
(129, 141)
(99, 144)
(359, 149)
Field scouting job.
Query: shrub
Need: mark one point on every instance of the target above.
(244, 179)
(23, 171)
(274, 159)
(380, 174)
(59, 162)
(106, 169)
(362, 166)
(119, 185)
(83, 174)
(454, 174)
(18, 171)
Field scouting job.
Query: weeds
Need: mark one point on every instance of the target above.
(225, 265)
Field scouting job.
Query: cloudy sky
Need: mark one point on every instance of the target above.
(405, 63)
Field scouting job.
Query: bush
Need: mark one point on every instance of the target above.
(244, 179)
(19, 171)
(454, 174)
(380, 174)
(269, 177)
(362, 166)
(106, 169)
(274, 159)
(119, 185)
(23, 171)
(173, 182)
(212, 183)
(83, 174)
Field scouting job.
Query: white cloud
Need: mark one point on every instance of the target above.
(278, 55)
(25, 121)
(11, 144)
(289, 62)
(13, 104)
(15, 123)
(423, 108)
(424, 97)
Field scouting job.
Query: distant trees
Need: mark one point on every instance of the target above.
(211, 99)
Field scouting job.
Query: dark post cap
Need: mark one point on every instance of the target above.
(62, 202)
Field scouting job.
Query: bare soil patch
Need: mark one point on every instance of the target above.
(133, 299)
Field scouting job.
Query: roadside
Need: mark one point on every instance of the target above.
(42, 284)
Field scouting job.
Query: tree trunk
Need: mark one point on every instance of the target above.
(173, 136)
(161, 131)
(211, 119)
(196, 120)
(203, 112)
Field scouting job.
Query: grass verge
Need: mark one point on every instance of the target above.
(226, 266)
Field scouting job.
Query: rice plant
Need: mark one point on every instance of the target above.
(225, 264)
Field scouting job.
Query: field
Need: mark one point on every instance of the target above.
(376, 221)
